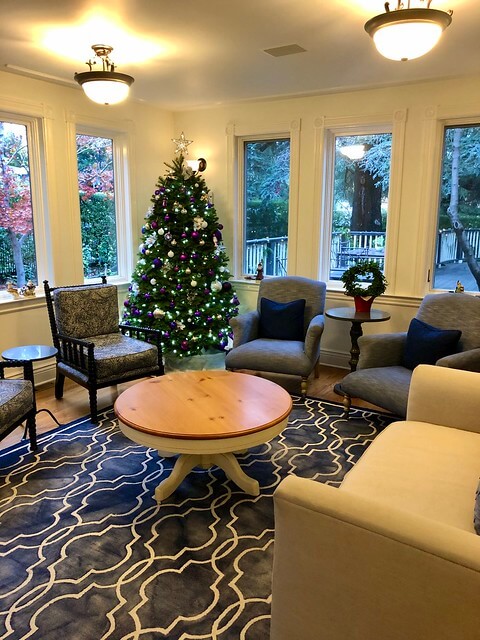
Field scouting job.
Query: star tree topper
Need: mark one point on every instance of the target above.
(182, 144)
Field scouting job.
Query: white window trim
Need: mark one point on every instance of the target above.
(35, 117)
(121, 136)
(238, 134)
(435, 121)
(326, 129)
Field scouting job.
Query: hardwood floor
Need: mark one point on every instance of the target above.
(74, 403)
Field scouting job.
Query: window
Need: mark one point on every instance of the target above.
(17, 242)
(359, 199)
(457, 256)
(96, 184)
(266, 190)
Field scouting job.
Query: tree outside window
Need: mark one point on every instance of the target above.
(457, 258)
(17, 243)
(360, 200)
(96, 186)
(266, 203)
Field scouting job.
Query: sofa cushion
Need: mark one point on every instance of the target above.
(423, 468)
(282, 320)
(426, 344)
(16, 399)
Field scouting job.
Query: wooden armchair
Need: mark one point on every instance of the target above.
(95, 350)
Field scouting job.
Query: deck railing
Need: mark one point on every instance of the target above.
(271, 252)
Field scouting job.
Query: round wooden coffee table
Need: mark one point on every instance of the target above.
(205, 416)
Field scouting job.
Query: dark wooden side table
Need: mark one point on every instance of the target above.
(33, 353)
(357, 318)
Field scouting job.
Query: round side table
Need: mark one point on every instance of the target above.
(32, 353)
(357, 318)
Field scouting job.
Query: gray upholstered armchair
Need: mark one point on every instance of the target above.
(297, 356)
(382, 377)
(93, 349)
(17, 401)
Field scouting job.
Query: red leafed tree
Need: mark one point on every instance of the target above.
(15, 196)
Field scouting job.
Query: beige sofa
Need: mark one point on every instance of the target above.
(392, 554)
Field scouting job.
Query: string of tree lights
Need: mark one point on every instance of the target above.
(180, 285)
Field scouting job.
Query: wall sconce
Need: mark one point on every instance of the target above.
(197, 165)
(106, 86)
(405, 33)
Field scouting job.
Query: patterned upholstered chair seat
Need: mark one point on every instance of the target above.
(381, 377)
(93, 349)
(283, 356)
(17, 402)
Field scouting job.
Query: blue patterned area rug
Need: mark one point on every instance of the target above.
(86, 552)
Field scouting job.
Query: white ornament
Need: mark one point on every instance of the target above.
(170, 254)
(153, 281)
(161, 232)
(216, 286)
(204, 224)
(174, 242)
(193, 283)
(158, 313)
(202, 242)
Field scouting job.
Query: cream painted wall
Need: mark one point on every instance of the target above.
(422, 106)
(151, 130)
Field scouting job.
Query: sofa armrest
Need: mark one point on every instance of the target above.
(245, 327)
(381, 350)
(313, 335)
(467, 360)
(449, 397)
(346, 566)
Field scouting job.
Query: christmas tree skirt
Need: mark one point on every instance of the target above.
(201, 362)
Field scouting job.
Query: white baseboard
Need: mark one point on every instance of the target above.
(335, 359)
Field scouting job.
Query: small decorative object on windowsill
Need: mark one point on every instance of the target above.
(12, 290)
(459, 288)
(28, 290)
(259, 275)
(364, 281)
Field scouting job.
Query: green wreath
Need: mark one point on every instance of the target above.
(364, 272)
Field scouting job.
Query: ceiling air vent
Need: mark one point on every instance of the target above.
(287, 50)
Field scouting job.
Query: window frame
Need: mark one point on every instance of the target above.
(35, 133)
(237, 136)
(326, 131)
(436, 120)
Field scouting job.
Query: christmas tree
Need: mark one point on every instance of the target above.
(180, 285)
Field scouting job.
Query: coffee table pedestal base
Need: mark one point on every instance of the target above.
(186, 462)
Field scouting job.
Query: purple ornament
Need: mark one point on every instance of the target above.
(154, 224)
(147, 296)
(183, 256)
(184, 235)
(172, 304)
(220, 226)
(226, 286)
(194, 255)
(173, 324)
(126, 303)
(178, 287)
(176, 268)
(143, 229)
(184, 345)
(166, 334)
(211, 272)
(206, 291)
(157, 191)
(197, 314)
(195, 235)
(150, 314)
(157, 262)
(192, 199)
(162, 190)
(209, 318)
(163, 290)
(167, 218)
(144, 277)
(137, 312)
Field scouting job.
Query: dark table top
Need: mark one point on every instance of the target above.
(349, 313)
(30, 352)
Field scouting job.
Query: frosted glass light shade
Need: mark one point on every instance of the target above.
(406, 34)
(105, 87)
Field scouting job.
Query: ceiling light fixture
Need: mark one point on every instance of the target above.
(406, 33)
(106, 86)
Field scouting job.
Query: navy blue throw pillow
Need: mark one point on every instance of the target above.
(282, 321)
(426, 344)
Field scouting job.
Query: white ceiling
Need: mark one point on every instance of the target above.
(192, 53)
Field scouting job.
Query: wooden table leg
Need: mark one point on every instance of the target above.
(355, 333)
